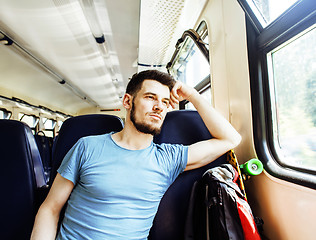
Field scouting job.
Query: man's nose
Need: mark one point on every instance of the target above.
(158, 106)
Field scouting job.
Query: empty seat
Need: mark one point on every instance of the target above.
(75, 128)
(44, 145)
(184, 127)
(21, 176)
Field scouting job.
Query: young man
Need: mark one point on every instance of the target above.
(115, 181)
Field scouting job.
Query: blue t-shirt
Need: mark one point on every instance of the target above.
(117, 191)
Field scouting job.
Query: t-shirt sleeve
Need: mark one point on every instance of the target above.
(176, 159)
(72, 162)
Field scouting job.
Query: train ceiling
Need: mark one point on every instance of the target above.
(76, 55)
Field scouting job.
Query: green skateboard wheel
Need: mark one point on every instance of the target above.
(252, 167)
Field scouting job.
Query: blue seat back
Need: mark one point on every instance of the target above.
(21, 175)
(44, 145)
(76, 127)
(184, 127)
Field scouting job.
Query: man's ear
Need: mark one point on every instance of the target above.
(127, 101)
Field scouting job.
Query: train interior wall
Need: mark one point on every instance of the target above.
(287, 209)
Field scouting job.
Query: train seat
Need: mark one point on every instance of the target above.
(44, 145)
(184, 127)
(80, 126)
(22, 175)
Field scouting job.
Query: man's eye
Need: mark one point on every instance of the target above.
(166, 103)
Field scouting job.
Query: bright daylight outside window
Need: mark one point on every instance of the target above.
(267, 11)
(49, 126)
(293, 73)
(4, 114)
(191, 67)
(30, 120)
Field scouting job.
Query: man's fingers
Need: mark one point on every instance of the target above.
(173, 101)
(175, 88)
(174, 98)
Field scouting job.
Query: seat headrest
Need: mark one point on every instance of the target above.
(22, 172)
(77, 127)
(18, 141)
(183, 126)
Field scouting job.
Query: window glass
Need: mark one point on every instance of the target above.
(267, 11)
(190, 62)
(292, 75)
(48, 133)
(206, 94)
(30, 120)
(190, 66)
(4, 114)
(49, 125)
(59, 123)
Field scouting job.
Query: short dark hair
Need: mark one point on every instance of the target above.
(135, 84)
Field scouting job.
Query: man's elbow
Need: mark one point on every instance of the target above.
(235, 140)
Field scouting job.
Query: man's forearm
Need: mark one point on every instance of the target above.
(45, 226)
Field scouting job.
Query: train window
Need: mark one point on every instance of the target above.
(49, 125)
(5, 114)
(59, 123)
(283, 87)
(203, 33)
(190, 62)
(267, 11)
(190, 66)
(206, 94)
(292, 74)
(30, 120)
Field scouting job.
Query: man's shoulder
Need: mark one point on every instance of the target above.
(94, 139)
(169, 146)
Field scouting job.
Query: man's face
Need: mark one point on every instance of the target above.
(149, 107)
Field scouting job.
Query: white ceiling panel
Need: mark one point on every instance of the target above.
(57, 33)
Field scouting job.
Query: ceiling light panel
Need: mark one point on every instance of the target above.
(158, 23)
(57, 33)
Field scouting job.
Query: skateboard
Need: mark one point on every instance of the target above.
(252, 167)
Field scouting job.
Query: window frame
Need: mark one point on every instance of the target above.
(34, 129)
(261, 41)
(204, 84)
